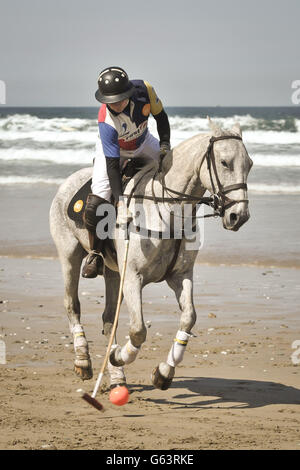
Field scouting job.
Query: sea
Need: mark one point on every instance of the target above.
(41, 147)
(45, 145)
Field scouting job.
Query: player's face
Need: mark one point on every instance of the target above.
(119, 106)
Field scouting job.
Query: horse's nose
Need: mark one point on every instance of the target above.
(238, 219)
(235, 219)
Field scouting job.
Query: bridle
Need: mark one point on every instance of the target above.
(221, 202)
(218, 200)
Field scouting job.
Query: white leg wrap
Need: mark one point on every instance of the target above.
(116, 374)
(129, 352)
(79, 337)
(177, 350)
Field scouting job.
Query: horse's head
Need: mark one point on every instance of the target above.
(224, 173)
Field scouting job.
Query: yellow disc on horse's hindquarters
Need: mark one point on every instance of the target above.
(78, 206)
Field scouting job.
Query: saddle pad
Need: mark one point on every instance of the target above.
(77, 204)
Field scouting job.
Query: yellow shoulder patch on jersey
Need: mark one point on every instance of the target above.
(155, 104)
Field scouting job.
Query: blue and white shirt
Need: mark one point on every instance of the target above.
(123, 133)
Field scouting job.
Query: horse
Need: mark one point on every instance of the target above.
(216, 161)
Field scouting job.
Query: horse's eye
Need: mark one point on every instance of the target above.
(224, 163)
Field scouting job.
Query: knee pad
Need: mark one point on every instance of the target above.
(89, 216)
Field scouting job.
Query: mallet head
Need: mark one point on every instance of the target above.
(92, 401)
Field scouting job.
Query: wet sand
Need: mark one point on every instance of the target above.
(237, 387)
(269, 238)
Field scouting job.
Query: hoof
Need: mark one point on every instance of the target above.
(115, 357)
(121, 384)
(160, 381)
(84, 373)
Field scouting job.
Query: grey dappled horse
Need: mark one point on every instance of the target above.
(217, 162)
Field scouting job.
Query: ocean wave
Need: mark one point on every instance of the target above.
(252, 187)
(84, 156)
(276, 160)
(57, 156)
(181, 131)
(247, 123)
(39, 138)
(28, 123)
(271, 137)
(274, 189)
(72, 140)
(289, 142)
(12, 180)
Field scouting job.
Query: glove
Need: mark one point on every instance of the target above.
(124, 215)
(164, 148)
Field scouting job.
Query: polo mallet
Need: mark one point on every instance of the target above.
(91, 399)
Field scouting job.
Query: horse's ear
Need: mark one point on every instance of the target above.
(210, 123)
(213, 126)
(237, 129)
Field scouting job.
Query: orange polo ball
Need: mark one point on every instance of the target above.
(119, 395)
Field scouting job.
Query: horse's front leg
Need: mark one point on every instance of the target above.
(112, 284)
(137, 333)
(182, 284)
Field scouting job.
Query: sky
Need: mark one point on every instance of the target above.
(194, 52)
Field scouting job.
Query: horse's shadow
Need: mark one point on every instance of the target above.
(226, 393)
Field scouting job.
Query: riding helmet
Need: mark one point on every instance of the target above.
(113, 85)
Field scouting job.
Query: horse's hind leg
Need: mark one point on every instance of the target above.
(71, 258)
(182, 284)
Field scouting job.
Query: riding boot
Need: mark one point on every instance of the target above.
(94, 261)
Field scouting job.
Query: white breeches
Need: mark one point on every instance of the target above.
(100, 183)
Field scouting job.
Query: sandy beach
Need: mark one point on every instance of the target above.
(237, 387)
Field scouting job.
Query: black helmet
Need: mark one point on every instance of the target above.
(113, 85)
